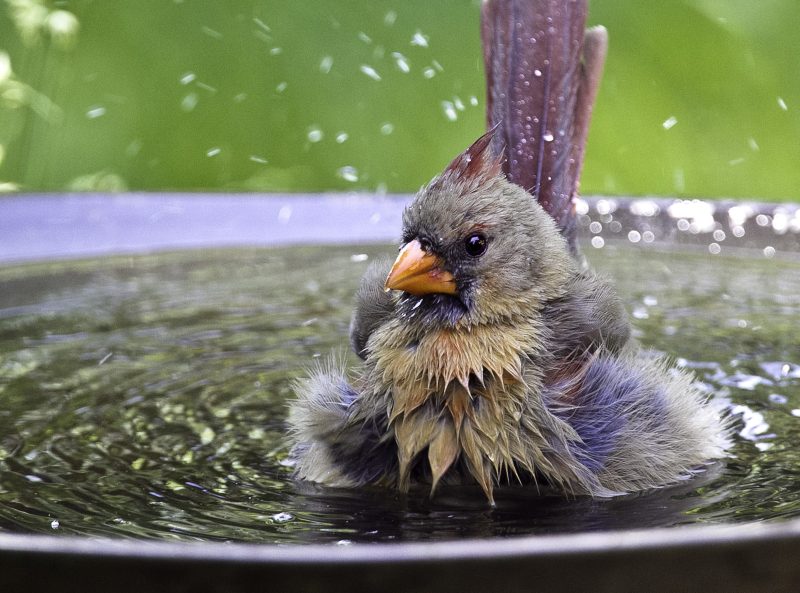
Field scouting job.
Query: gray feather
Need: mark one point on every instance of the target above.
(373, 305)
(588, 316)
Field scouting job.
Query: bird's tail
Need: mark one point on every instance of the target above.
(542, 72)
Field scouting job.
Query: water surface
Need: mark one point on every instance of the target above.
(145, 397)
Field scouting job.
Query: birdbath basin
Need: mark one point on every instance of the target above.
(147, 349)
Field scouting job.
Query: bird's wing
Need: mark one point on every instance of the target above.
(588, 317)
(542, 74)
(373, 305)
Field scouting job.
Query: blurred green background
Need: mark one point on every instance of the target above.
(700, 97)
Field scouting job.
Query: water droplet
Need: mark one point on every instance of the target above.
(777, 398)
(449, 111)
(782, 104)
(719, 235)
(644, 208)
(211, 152)
(419, 39)
(473, 100)
(751, 142)
(95, 112)
(258, 159)
(598, 242)
(281, 86)
(188, 77)
(189, 102)
(390, 18)
(548, 137)
(211, 32)
(769, 251)
(315, 134)
(634, 236)
(364, 37)
(595, 227)
(648, 237)
(762, 220)
(537, 73)
(650, 301)
(605, 206)
(401, 62)
(206, 87)
(284, 214)
(282, 517)
(359, 257)
(54, 524)
(342, 137)
(387, 128)
(780, 222)
(429, 73)
(679, 180)
(369, 71)
(348, 173)
(714, 248)
(669, 122)
(276, 51)
(326, 64)
(262, 25)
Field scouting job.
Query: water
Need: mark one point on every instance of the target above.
(145, 397)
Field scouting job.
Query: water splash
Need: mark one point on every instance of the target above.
(369, 71)
(348, 173)
(315, 134)
(419, 39)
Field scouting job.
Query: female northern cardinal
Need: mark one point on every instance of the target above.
(490, 352)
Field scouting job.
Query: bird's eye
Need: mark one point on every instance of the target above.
(475, 244)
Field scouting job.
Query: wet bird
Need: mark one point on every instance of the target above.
(491, 353)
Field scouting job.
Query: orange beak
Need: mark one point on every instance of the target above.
(417, 272)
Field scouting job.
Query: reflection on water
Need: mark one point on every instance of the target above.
(145, 397)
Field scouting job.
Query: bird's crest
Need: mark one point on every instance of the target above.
(477, 161)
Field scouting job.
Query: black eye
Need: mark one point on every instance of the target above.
(475, 244)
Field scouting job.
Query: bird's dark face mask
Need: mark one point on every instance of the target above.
(429, 289)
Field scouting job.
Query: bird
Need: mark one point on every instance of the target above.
(491, 353)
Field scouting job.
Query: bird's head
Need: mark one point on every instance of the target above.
(476, 248)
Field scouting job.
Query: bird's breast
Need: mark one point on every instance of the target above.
(454, 393)
(440, 357)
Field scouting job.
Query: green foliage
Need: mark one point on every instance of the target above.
(700, 97)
